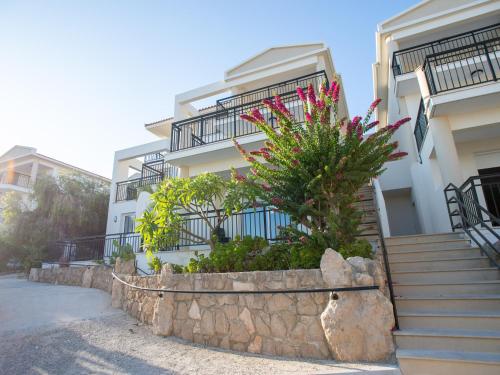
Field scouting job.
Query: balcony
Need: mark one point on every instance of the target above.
(225, 122)
(408, 59)
(15, 178)
(153, 173)
(463, 67)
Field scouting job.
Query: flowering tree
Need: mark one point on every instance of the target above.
(314, 170)
(178, 202)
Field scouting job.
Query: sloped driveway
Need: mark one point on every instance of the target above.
(50, 329)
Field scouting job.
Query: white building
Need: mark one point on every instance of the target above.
(439, 63)
(21, 166)
(196, 140)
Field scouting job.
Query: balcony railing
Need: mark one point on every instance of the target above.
(408, 59)
(16, 178)
(421, 126)
(153, 173)
(225, 122)
(463, 67)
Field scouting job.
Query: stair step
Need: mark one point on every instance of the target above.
(434, 254)
(437, 245)
(448, 339)
(440, 264)
(472, 302)
(422, 238)
(429, 362)
(438, 289)
(480, 321)
(459, 275)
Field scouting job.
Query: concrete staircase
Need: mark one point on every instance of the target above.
(448, 302)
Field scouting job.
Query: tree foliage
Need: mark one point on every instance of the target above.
(57, 208)
(206, 197)
(314, 170)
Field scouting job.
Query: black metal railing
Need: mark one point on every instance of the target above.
(225, 123)
(421, 126)
(463, 67)
(467, 211)
(15, 178)
(92, 247)
(153, 173)
(408, 59)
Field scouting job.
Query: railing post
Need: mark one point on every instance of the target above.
(489, 62)
(265, 223)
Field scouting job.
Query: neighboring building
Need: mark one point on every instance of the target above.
(439, 63)
(194, 140)
(21, 166)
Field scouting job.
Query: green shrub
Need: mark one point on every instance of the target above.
(125, 252)
(361, 248)
(155, 264)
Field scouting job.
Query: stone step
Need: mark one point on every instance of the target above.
(463, 275)
(431, 362)
(480, 321)
(459, 243)
(435, 289)
(448, 339)
(440, 264)
(454, 303)
(423, 238)
(434, 254)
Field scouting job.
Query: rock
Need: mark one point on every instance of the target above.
(279, 302)
(256, 345)
(34, 275)
(246, 318)
(238, 285)
(88, 275)
(358, 326)
(125, 267)
(166, 275)
(194, 311)
(278, 327)
(207, 323)
(262, 327)
(221, 324)
(163, 315)
(238, 332)
(335, 270)
(117, 294)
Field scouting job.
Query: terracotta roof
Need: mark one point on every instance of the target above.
(157, 122)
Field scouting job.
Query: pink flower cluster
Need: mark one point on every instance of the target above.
(397, 155)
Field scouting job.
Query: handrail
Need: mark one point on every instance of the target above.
(386, 260)
(409, 58)
(471, 213)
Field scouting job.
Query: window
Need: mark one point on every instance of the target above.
(128, 223)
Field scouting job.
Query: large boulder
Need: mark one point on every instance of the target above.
(34, 274)
(358, 326)
(335, 270)
(163, 315)
(125, 267)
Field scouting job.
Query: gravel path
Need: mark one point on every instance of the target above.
(108, 341)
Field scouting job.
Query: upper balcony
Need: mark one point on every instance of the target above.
(225, 122)
(16, 179)
(459, 61)
(154, 170)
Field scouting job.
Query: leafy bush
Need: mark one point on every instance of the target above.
(125, 252)
(155, 264)
(361, 248)
(239, 255)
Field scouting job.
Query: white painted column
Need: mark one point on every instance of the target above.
(446, 151)
(34, 171)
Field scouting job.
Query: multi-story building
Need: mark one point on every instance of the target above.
(21, 166)
(439, 63)
(197, 140)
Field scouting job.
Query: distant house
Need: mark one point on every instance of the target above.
(21, 166)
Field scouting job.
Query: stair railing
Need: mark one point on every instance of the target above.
(466, 213)
(385, 257)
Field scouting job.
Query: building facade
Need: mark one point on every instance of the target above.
(196, 140)
(21, 166)
(439, 63)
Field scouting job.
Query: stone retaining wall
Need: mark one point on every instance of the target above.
(352, 326)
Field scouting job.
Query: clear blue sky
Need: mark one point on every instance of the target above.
(78, 79)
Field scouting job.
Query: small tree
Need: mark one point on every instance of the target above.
(314, 170)
(207, 197)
